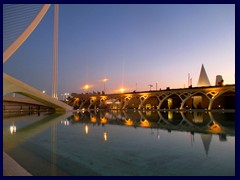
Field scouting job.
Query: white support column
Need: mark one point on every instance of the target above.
(126, 101)
(165, 96)
(142, 101)
(55, 51)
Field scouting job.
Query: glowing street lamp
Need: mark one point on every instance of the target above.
(122, 90)
(150, 86)
(86, 87)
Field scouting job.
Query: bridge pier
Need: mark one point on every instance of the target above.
(142, 100)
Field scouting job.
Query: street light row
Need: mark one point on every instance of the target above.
(87, 86)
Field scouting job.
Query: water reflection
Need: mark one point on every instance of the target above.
(204, 123)
(86, 129)
(80, 139)
(13, 129)
(105, 136)
(201, 122)
(27, 132)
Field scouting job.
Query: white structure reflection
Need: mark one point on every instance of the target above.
(86, 129)
(65, 122)
(13, 129)
(105, 136)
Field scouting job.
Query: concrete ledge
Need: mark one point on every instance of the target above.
(12, 168)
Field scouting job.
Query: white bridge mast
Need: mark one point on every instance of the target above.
(55, 51)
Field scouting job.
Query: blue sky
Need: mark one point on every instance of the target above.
(129, 45)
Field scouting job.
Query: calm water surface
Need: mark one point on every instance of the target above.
(122, 143)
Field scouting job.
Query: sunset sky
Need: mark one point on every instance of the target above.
(133, 46)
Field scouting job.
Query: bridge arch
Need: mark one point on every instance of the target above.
(172, 101)
(151, 102)
(132, 103)
(84, 103)
(116, 104)
(224, 100)
(193, 100)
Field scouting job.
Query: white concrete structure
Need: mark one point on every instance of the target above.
(219, 79)
(26, 33)
(203, 78)
(55, 52)
(12, 85)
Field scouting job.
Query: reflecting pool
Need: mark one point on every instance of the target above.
(106, 143)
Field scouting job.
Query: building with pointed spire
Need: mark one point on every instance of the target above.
(203, 78)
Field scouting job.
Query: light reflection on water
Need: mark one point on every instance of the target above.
(124, 143)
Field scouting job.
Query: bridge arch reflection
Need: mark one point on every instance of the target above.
(197, 121)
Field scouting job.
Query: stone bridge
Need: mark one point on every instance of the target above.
(208, 98)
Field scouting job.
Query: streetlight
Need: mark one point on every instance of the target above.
(150, 86)
(156, 86)
(86, 87)
(104, 82)
(122, 90)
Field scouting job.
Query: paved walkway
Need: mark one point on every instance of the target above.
(12, 168)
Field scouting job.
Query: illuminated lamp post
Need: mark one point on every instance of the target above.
(86, 87)
(122, 90)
